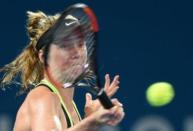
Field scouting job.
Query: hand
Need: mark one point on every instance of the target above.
(112, 116)
(110, 88)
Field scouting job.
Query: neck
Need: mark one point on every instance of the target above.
(66, 93)
(67, 96)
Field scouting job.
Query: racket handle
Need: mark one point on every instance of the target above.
(104, 99)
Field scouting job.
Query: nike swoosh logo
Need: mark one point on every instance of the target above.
(70, 23)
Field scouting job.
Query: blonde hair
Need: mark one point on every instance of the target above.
(27, 65)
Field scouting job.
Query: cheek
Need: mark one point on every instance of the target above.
(58, 59)
(62, 61)
(84, 52)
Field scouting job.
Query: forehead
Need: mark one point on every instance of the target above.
(68, 43)
(75, 36)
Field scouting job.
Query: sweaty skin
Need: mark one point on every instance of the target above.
(41, 110)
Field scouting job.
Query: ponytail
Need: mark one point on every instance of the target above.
(27, 65)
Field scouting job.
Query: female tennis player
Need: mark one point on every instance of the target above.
(48, 107)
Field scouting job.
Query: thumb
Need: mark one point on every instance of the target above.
(88, 99)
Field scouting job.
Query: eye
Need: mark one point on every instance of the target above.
(63, 44)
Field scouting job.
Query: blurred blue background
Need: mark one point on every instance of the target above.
(143, 41)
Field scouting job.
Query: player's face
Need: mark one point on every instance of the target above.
(67, 60)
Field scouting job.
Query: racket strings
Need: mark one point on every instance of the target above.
(87, 77)
(87, 74)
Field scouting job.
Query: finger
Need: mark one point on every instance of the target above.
(116, 102)
(115, 81)
(113, 110)
(112, 91)
(119, 114)
(107, 82)
(117, 117)
(88, 99)
(114, 86)
(112, 123)
(112, 116)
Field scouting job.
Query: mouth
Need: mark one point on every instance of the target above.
(84, 66)
(76, 71)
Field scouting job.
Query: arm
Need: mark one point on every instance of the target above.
(44, 115)
(101, 117)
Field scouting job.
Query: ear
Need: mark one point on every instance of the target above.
(41, 55)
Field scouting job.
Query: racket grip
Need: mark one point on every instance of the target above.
(104, 99)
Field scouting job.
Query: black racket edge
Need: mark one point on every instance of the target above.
(104, 99)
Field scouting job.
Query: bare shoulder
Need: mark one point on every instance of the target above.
(39, 102)
(41, 97)
(41, 93)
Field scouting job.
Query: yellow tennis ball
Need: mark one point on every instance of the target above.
(160, 94)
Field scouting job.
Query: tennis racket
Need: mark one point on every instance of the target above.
(77, 26)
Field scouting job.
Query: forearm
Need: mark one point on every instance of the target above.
(87, 124)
